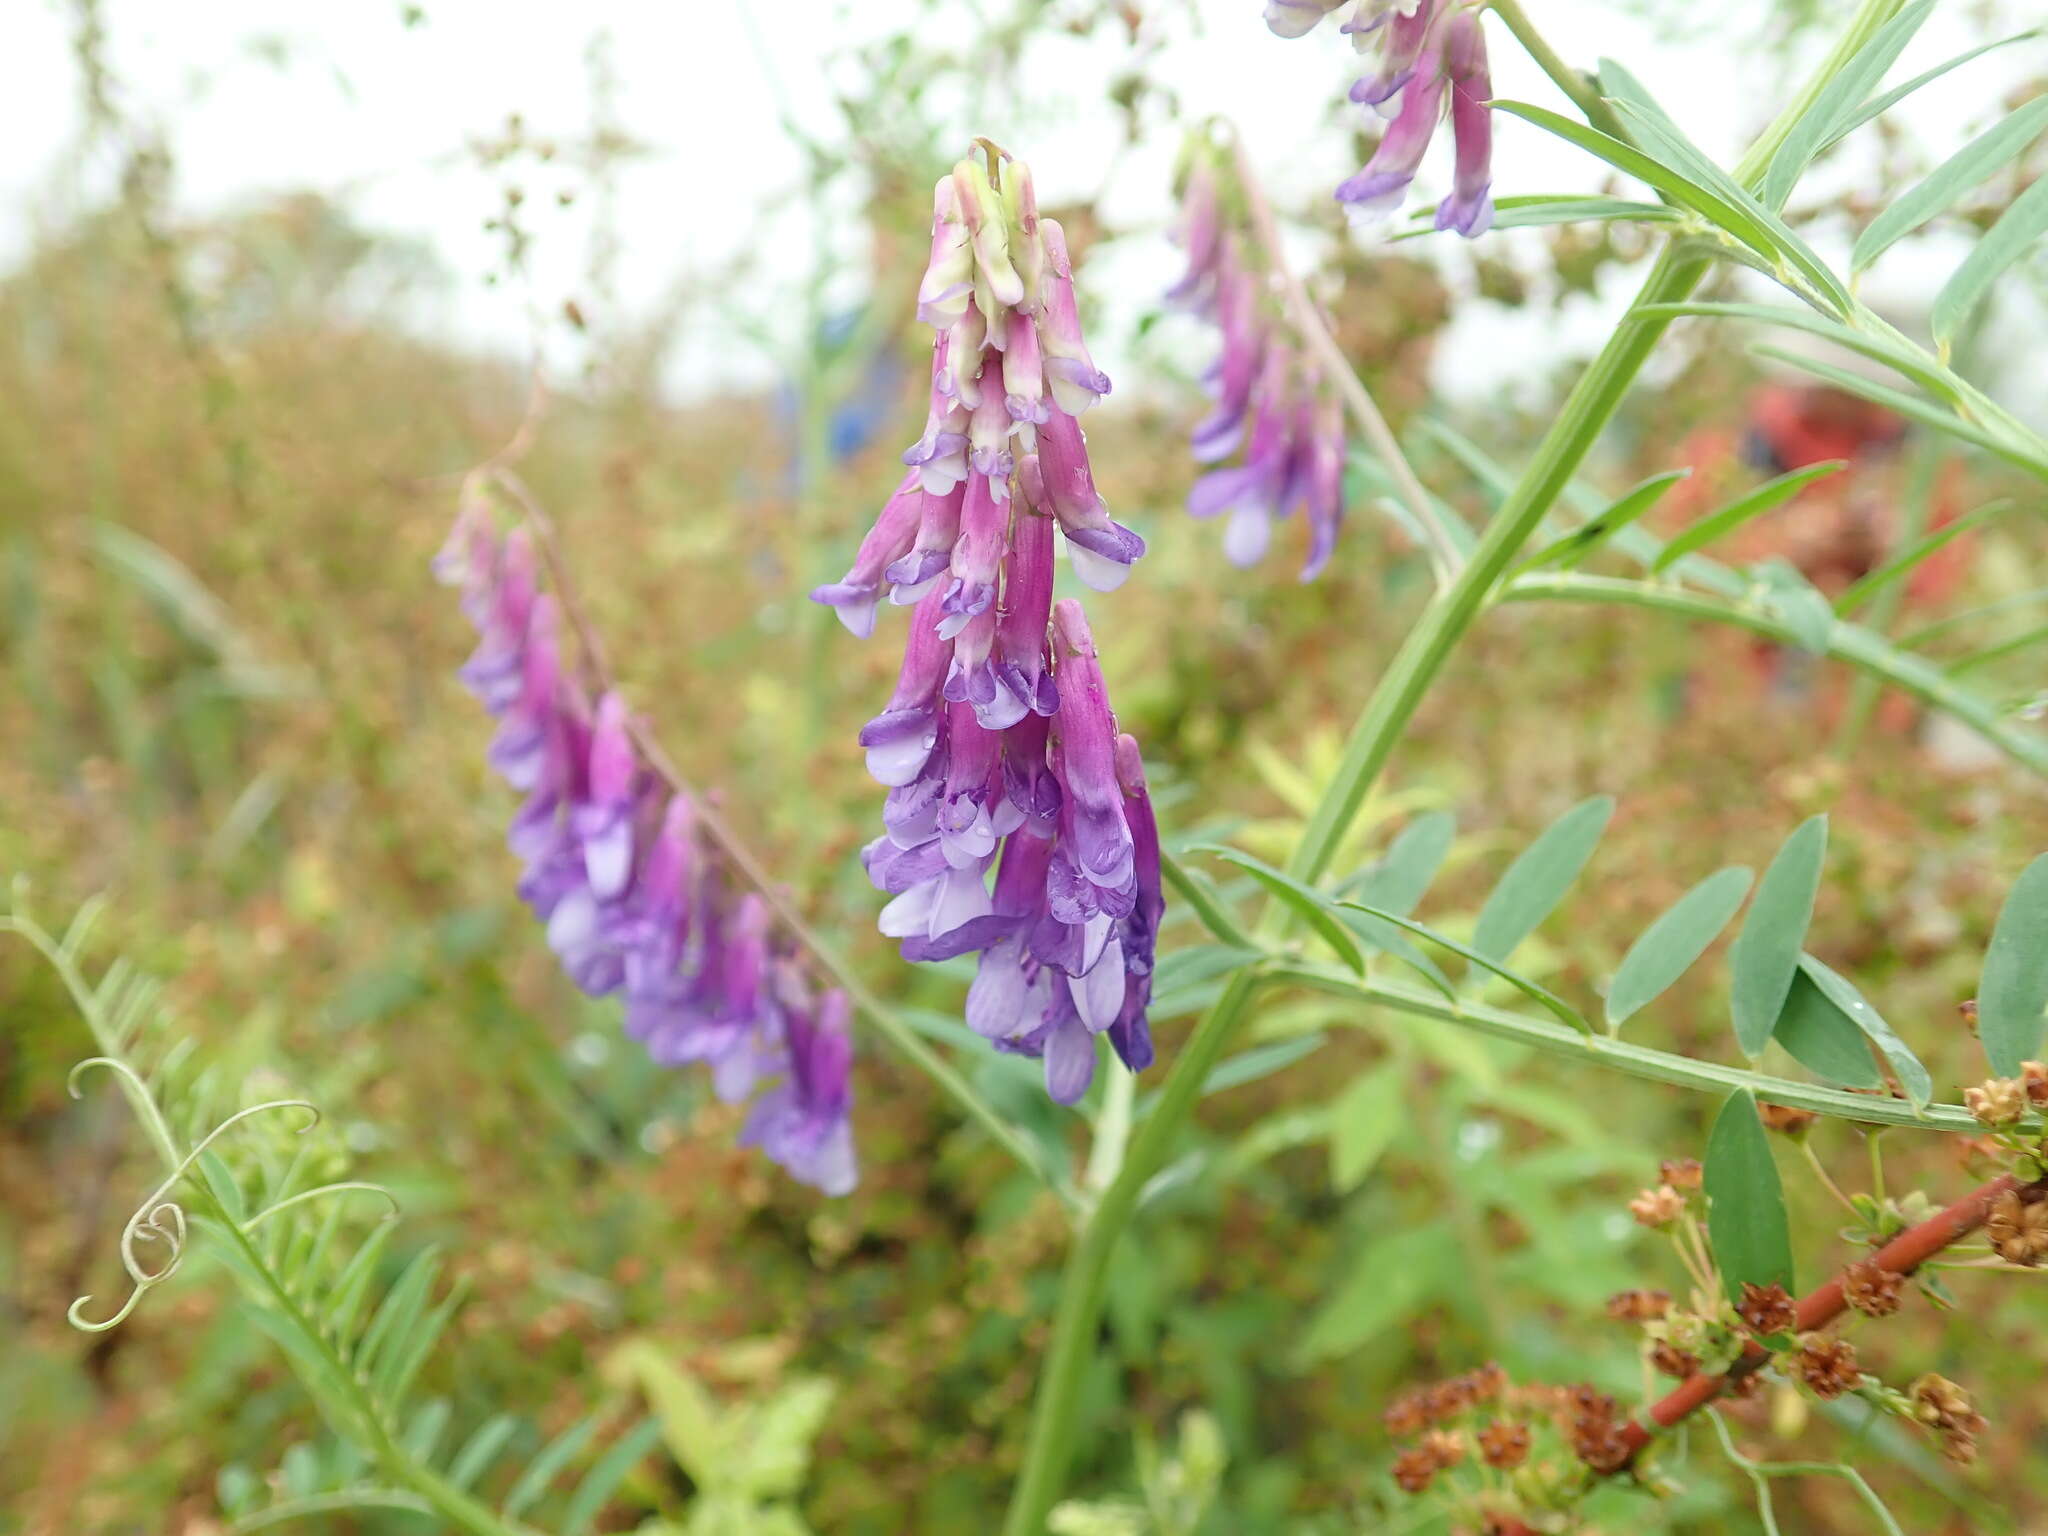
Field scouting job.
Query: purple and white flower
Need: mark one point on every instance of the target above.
(998, 746)
(612, 868)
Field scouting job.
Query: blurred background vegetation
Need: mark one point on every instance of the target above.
(225, 461)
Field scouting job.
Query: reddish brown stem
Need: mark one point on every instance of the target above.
(1902, 1255)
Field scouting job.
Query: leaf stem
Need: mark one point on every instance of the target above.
(1624, 1056)
(1861, 648)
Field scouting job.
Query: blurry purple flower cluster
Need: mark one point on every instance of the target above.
(1294, 455)
(1427, 50)
(998, 744)
(633, 901)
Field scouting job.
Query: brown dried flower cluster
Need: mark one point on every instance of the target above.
(2018, 1227)
(1596, 1430)
(1826, 1366)
(1766, 1308)
(1946, 1409)
(1426, 1407)
(1504, 1444)
(1786, 1120)
(2034, 1078)
(1997, 1101)
(1638, 1306)
(1439, 1451)
(1872, 1289)
(1682, 1173)
(1670, 1360)
(1657, 1207)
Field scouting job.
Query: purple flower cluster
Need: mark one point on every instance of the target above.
(1428, 50)
(998, 745)
(1293, 456)
(633, 902)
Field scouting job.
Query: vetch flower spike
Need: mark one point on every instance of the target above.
(998, 745)
(630, 902)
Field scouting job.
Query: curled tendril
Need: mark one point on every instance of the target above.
(345, 1186)
(159, 1219)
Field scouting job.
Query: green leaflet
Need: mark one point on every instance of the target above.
(1725, 519)
(1668, 948)
(2012, 989)
(1398, 880)
(1766, 952)
(1531, 989)
(1824, 1039)
(1746, 1222)
(2018, 228)
(1605, 524)
(1856, 1008)
(1839, 101)
(1537, 880)
(1716, 210)
(1364, 1119)
(1535, 211)
(1936, 192)
(1905, 561)
(1307, 904)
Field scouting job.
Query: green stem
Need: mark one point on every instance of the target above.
(1859, 647)
(1443, 624)
(1555, 1039)
(1074, 1344)
(1574, 83)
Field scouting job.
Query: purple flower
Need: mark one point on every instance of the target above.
(998, 748)
(1239, 364)
(805, 1123)
(902, 736)
(1102, 551)
(1076, 382)
(1295, 455)
(1297, 18)
(949, 272)
(1201, 233)
(611, 868)
(1380, 187)
(1325, 499)
(1469, 208)
(855, 595)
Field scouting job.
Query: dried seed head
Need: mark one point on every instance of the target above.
(1445, 1446)
(1826, 1366)
(1409, 1414)
(1872, 1289)
(1786, 1120)
(2034, 1078)
(1681, 1172)
(1670, 1360)
(1946, 1409)
(1504, 1444)
(1486, 1384)
(1657, 1207)
(1997, 1101)
(1414, 1470)
(2018, 1229)
(1638, 1306)
(1766, 1308)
